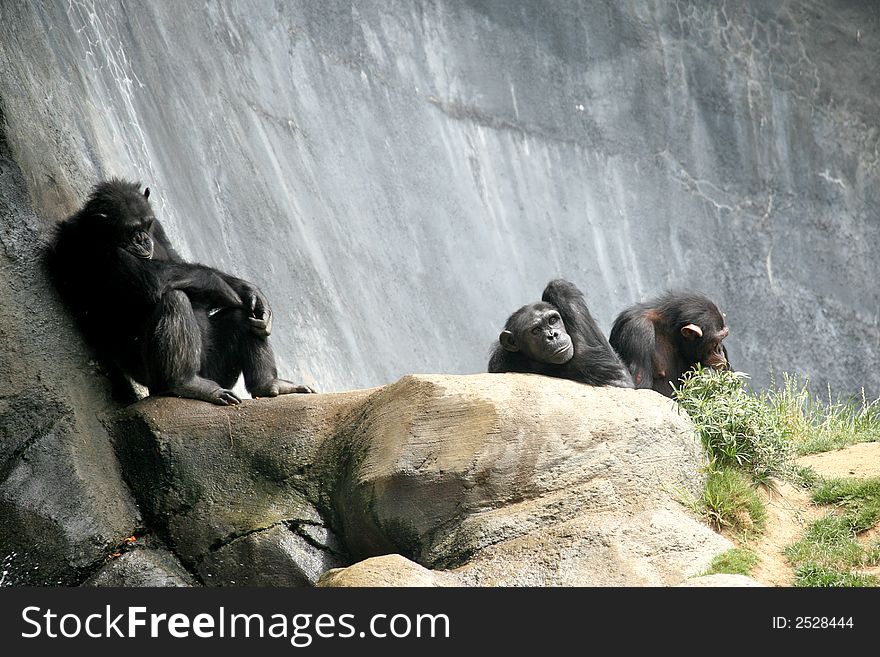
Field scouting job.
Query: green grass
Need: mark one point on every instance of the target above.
(729, 501)
(737, 427)
(736, 561)
(830, 548)
(817, 425)
(813, 575)
(858, 496)
(750, 439)
(829, 542)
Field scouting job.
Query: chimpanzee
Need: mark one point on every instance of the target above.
(558, 337)
(661, 339)
(181, 329)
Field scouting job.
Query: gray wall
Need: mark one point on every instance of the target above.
(400, 176)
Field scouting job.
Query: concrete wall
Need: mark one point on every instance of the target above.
(400, 176)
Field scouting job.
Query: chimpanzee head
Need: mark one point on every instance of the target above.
(119, 214)
(703, 328)
(537, 331)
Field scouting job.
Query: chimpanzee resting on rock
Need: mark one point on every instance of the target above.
(181, 329)
(558, 337)
(663, 338)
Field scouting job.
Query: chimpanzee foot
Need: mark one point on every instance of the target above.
(279, 387)
(204, 390)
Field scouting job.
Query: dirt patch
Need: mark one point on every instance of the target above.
(789, 510)
(861, 460)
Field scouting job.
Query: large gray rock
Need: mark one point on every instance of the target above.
(226, 485)
(498, 479)
(142, 567)
(276, 556)
(63, 505)
(524, 480)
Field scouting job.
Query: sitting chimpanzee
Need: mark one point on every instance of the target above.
(663, 338)
(179, 328)
(558, 337)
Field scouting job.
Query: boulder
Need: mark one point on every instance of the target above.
(391, 570)
(64, 507)
(493, 479)
(226, 486)
(142, 567)
(276, 556)
(523, 480)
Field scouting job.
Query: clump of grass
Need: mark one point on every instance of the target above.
(736, 561)
(859, 497)
(805, 477)
(729, 501)
(820, 425)
(829, 542)
(737, 427)
(813, 575)
(830, 547)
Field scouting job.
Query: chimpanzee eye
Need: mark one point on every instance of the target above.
(553, 319)
(536, 330)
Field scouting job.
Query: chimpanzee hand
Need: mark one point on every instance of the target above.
(259, 313)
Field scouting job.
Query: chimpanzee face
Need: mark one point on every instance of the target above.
(127, 221)
(138, 238)
(704, 339)
(538, 332)
(716, 354)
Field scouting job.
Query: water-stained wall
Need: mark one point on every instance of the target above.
(400, 176)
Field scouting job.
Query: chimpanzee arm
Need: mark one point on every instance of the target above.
(255, 304)
(569, 301)
(594, 361)
(163, 246)
(203, 285)
(633, 338)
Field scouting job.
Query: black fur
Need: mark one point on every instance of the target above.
(178, 328)
(594, 361)
(648, 336)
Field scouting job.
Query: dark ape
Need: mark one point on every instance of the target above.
(558, 337)
(662, 339)
(181, 329)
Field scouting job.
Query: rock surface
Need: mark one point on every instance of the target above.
(63, 505)
(720, 579)
(142, 567)
(498, 479)
(389, 570)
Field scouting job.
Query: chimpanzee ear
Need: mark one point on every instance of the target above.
(691, 332)
(507, 341)
(147, 193)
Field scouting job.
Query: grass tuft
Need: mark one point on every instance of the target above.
(736, 561)
(817, 425)
(737, 428)
(813, 575)
(729, 501)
